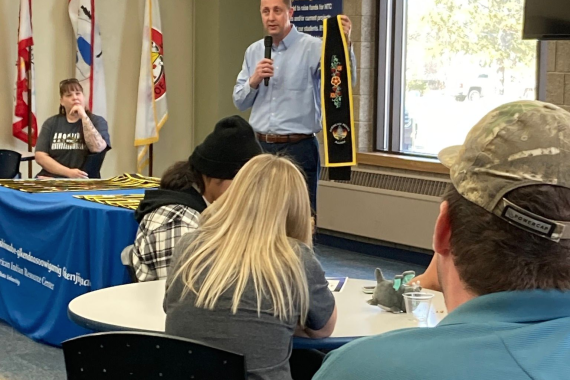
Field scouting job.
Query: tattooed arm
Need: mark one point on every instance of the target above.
(93, 138)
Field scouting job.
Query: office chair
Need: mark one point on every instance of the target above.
(93, 163)
(142, 356)
(9, 164)
(127, 260)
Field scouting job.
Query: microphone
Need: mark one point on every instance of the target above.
(268, 41)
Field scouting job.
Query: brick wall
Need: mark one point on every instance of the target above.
(363, 15)
(558, 74)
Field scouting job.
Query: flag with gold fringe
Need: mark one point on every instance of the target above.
(152, 111)
(336, 101)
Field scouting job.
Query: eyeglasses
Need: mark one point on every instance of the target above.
(68, 81)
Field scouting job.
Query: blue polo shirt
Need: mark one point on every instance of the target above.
(508, 335)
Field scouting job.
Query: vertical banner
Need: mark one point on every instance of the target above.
(25, 79)
(152, 111)
(336, 98)
(309, 14)
(89, 58)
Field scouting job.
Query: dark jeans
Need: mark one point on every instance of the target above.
(305, 153)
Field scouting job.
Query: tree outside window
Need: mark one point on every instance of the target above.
(459, 59)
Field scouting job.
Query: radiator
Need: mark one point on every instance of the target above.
(396, 208)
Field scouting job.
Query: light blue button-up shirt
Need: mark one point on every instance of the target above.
(292, 101)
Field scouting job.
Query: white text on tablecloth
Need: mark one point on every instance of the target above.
(76, 277)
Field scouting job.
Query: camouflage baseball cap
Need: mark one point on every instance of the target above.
(518, 144)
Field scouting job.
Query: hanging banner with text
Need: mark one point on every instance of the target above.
(309, 14)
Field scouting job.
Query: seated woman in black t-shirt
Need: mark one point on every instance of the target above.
(67, 139)
(247, 280)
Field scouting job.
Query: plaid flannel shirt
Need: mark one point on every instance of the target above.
(158, 233)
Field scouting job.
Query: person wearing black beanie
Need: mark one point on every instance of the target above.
(186, 188)
(223, 153)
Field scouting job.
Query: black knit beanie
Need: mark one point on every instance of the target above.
(227, 149)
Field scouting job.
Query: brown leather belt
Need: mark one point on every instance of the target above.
(280, 139)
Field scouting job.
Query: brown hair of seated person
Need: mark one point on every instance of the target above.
(182, 175)
(493, 256)
(67, 86)
(527, 261)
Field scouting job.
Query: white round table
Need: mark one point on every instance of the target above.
(138, 307)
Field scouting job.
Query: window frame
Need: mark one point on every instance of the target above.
(391, 58)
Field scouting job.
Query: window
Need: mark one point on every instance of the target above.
(443, 64)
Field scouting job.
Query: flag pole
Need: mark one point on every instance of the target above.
(30, 115)
(150, 159)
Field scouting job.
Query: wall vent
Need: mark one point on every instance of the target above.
(411, 185)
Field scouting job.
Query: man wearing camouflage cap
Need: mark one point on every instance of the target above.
(503, 261)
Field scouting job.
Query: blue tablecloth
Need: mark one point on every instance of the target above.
(53, 248)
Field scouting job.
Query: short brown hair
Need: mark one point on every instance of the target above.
(288, 3)
(68, 85)
(493, 256)
(182, 176)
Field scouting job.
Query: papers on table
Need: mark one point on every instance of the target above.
(124, 181)
(130, 201)
(336, 283)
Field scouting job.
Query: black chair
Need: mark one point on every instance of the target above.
(93, 163)
(9, 164)
(141, 356)
(127, 260)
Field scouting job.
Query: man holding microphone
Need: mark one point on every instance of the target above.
(286, 109)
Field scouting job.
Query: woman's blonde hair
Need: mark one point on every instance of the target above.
(254, 231)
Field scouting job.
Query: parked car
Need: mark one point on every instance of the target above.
(474, 88)
(409, 131)
(529, 91)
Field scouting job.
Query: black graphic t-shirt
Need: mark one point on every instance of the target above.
(64, 141)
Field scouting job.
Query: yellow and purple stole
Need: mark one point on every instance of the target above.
(336, 101)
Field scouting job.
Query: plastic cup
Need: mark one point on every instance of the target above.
(418, 305)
